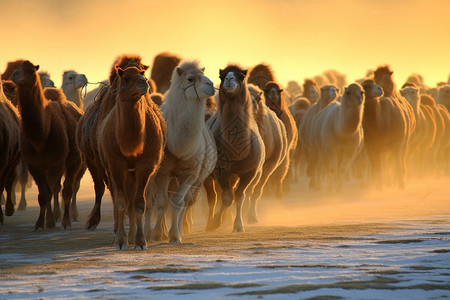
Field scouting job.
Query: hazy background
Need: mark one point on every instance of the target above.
(299, 38)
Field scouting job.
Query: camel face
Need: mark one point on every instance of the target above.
(313, 94)
(46, 81)
(229, 82)
(72, 79)
(202, 86)
(411, 94)
(272, 93)
(353, 95)
(24, 74)
(132, 83)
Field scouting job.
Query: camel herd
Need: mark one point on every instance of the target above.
(157, 142)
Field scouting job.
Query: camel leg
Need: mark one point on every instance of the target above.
(23, 179)
(211, 196)
(150, 200)
(73, 205)
(71, 186)
(44, 200)
(137, 209)
(120, 240)
(227, 198)
(162, 185)
(99, 187)
(10, 178)
(245, 182)
(56, 207)
(178, 207)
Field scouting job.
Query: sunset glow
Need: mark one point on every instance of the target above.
(299, 39)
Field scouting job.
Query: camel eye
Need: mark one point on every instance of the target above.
(190, 79)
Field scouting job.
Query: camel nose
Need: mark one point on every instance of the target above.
(229, 77)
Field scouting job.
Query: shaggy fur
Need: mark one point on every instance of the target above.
(276, 102)
(122, 137)
(163, 66)
(190, 154)
(385, 133)
(260, 75)
(9, 150)
(273, 134)
(47, 144)
(338, 137)
(241, 152)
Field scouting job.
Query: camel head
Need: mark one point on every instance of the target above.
(257, 96)
(411, 94)
(272, 93)
(26, 74)
(132, 83)
(372, 89)
(353, 95)
(73, 81)
(190, 77)
(329, 93)
(383, 77)
(46, 81)
(232, 80)
(10, 90)
(311, 90)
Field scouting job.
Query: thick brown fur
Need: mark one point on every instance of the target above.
(275, 100)
(9, 150)
(240, 148)
(260, 75)
(162, 69)
(385, 134)
(122, 138)
(47, 143)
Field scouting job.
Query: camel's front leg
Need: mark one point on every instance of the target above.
(244, 183)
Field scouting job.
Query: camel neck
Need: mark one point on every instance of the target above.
(130, 127)
(350, 117)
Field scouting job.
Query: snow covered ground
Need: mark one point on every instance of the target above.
(390, 245)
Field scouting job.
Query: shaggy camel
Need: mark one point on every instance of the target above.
(383, 77)
(240, 149)
(273, 134)
(338, 137)
(276, 102)
(72, 84)
(423, 137)
(443, 96)
(385, 133)
(126, 131)
(260, 75)
(328, 94)
(9, 150)
(311, 91)
(190, 155)
(47, 144)
(162, 69)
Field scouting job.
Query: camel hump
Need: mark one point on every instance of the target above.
(55, 94)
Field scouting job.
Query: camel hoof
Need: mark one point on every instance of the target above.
(9, 209)
(175, 242)
(140, 248)
(252, 220)
(22, 206)
(122, 246)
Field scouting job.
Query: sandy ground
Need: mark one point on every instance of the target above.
(357, 244)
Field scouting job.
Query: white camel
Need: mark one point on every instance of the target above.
(72, 85)
(190, 154)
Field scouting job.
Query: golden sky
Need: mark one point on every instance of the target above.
(299, 38)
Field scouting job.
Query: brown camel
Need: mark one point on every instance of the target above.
(47, 144)
(129, 134)
(9, 150)
(162, 69)
(240, 149)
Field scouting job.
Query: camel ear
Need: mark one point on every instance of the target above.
(203, 69)
(220, 72)
(244, 72)
(36, 67)
(179, 71)
(144, 67)
(142, 72)
(391, 72)
(280, 90)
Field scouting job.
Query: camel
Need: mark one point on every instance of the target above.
(443, 96)
(72, 84)
(273, 134)
(190, 155)
(423, 137)
(276, 102)
(328, 94)
(337, 136)
(161, 73)
(385, 134)
(92, 95)
(47, 144)
(311, 91)
(260, 75)
(9, 150)
(122, 137)
(240, 149)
